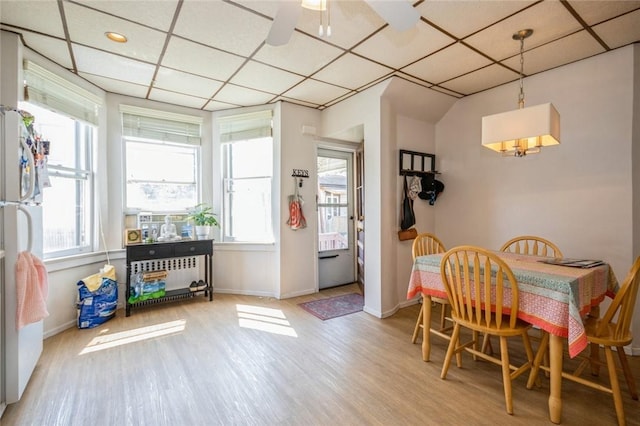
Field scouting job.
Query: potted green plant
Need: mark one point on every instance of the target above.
(204, 219)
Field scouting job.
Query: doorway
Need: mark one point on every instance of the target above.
(336, 253)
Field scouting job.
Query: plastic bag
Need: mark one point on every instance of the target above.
(97, 298)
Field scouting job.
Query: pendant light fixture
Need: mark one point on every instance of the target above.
(525, 130)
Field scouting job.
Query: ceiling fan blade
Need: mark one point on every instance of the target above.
(399, 14)
(284, 23)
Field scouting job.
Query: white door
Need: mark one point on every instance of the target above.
(336, 254)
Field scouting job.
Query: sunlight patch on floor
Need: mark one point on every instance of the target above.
(264, 319)
(106, 341)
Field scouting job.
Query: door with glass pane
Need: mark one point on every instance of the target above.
(336, 255)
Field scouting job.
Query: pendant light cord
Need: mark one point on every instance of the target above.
(521, 95)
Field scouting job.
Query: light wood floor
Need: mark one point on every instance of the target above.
(243, 360)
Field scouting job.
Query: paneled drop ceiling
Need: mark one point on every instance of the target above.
(212, 55)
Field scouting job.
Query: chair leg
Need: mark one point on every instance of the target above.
(452, 347)
(594, 355)
(506, 374)
(631, 384)
(615, 386)
(443, 316)
(486, 345)
(542, 350)
(416, 330)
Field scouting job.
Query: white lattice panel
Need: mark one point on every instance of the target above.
(181, 270)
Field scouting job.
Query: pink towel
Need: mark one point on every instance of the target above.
(32, 289)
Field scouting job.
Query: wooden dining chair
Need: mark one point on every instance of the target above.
(530, 244)
(527, 244)
(483, 294)
(611, 331)
(424, 244)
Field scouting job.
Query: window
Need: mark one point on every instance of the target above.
(247, 172)
(161, 160)
(65, 116)
(333, 206)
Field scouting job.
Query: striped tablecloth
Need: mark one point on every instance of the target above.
(554, 298)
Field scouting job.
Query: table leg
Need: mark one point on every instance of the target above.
(426, 327)
(555, 361)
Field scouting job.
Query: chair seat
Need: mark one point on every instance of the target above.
(503, 330)
(591, 324)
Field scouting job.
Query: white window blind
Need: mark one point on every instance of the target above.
(46, 89)
(160, 126)
(245, 126)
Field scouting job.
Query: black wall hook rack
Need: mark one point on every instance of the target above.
(414, 163)
(300, 173)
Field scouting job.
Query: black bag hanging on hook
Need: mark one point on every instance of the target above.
(408, 218)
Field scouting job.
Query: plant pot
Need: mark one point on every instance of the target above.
(202, 232)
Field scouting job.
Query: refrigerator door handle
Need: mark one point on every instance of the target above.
(29, 227)
(31, 164)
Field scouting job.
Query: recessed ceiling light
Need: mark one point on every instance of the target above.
(117, 37)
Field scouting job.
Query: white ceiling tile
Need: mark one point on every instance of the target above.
(105, 64)
(491, 76)
(315, 92)
(49, 47)
(176, 98)
(413, 79)
(302, 55)
(447, 63)
(618, 32)
(266, 78)
(462, 18)
(395, 49)
(549, 21)
(40, 16)
(198, 59)
(446, 91)
(154, 13)
(595, 12)
(237, 95)
(341, 72)
(295, 101)
(189, 84)
(222, 25)
(87, 27)
(566, 50)
(116, 86)
(218, 106)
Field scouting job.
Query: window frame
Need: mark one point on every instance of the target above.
(161, 128)
(84, 134)
(226, 180)
(197, 151)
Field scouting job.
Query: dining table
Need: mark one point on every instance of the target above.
(552, 297)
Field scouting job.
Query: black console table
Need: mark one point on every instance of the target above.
(170, 250)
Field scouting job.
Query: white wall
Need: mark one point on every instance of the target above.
(578, 194)
(635, 156)
(298, 249)
(413, 135)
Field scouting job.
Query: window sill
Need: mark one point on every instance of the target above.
(232, 246)
(69, 262)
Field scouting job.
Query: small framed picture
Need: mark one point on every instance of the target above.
(132, 236)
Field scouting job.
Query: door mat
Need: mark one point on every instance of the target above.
(333, 307)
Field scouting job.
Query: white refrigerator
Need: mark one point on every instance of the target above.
(21, 220)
